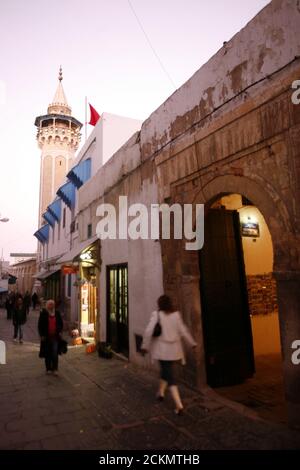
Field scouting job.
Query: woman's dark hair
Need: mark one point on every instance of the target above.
(165, 303)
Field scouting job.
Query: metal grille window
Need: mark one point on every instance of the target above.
(89, 230)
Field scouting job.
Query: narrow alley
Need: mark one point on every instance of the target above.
(109, 404)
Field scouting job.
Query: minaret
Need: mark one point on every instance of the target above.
(58, 137)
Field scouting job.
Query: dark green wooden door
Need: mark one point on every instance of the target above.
(225, 312)
(117, 308)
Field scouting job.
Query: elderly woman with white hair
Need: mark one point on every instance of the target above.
(50, 326)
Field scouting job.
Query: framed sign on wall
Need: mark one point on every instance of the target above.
(250, 229)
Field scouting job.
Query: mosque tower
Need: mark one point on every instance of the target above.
(58, 137)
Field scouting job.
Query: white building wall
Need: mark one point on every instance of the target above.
(116, 131)
(92, 148)
(145, 280)
(61, 245)
(109, 134)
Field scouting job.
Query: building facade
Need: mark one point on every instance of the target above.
(63, 275)
(227, 139)
(24, 272)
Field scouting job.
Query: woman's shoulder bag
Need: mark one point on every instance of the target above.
(157, 328)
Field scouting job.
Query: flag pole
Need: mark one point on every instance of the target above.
(85, 118)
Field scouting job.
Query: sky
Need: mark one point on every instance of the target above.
(106, 57)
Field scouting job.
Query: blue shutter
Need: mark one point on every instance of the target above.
(55, 209)
(49, 218)
(80, 173)
(43, 233)
(67, 193)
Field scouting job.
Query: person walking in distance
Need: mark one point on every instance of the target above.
(50, 326)
(27, 301)
(163, 338)
(34, 299)
(19, 319)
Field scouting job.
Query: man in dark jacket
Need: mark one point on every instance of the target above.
(50, 326)
(19, 319)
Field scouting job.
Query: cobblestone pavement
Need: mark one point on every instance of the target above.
(264, 392)
(109, 404)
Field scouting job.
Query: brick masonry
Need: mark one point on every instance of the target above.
(262, 294)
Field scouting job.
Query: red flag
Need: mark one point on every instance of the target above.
(94, 116)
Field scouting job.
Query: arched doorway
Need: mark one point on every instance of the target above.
(239, 306)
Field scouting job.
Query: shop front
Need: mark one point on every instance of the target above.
(51, 284)
(88, 300)
(84, 261)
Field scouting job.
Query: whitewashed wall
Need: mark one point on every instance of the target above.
(142, 256)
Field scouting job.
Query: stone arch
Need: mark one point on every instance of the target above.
(268, 202)
(286, 270)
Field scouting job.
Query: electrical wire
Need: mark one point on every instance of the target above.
(150, 44)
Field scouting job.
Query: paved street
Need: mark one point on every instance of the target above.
(108, 404)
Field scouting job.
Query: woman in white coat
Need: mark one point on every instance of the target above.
(166, 347)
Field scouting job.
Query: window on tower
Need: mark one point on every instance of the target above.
(64, 217)
(89, 230)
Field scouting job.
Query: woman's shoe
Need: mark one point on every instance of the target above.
(160, 397)
(177, 400)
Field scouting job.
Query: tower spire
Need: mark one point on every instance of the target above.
(59, 104)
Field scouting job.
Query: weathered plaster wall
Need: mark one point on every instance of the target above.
(245, 139)
(267, 43)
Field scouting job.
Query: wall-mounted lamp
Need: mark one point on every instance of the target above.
(86, 256)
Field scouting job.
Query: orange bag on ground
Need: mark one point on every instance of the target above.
(91, 347)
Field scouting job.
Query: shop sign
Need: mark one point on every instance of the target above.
(69, 269)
